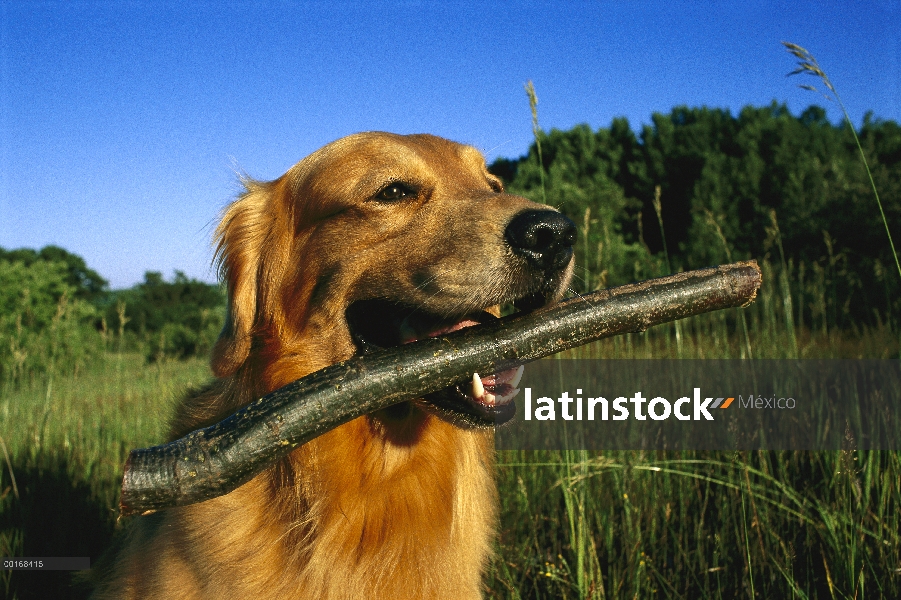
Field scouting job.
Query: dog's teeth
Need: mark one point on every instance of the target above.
(478, 390)
(508, 396)
(489, 398)
(516, 378)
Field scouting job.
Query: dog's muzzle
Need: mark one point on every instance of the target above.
(544, 239)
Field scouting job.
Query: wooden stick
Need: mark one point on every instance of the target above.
(214, 461)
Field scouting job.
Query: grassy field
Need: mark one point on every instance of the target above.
(574, 524)
(66, 448)
(610, 524)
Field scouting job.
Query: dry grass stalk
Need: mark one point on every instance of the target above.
(536, 131)
(807, 64)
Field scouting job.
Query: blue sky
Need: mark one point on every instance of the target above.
(123, 124)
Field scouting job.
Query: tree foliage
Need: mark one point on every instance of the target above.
(56, 314)
(46, 323)
(85, 283)
(731, 187)
(179, 318)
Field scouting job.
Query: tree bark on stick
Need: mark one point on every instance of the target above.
(214, 461)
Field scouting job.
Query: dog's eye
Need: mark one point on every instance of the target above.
(394, 192)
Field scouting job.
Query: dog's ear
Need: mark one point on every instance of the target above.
(241, 239)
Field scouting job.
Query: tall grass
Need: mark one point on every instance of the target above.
(574, 524)
(698, 524)
(59, 487)
(693, 524)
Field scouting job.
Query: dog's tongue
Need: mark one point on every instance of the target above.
(409, 334)
(489, 391)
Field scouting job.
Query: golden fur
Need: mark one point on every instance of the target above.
(398, 504)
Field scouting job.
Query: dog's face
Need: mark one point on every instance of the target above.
(377, 240)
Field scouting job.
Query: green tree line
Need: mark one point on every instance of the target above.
(695, 187)
(56, 314)
(716, 187)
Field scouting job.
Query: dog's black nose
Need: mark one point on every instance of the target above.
(544, 237)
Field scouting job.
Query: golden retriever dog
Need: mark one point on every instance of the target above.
(374, 240)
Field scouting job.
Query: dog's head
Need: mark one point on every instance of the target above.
(377, 240)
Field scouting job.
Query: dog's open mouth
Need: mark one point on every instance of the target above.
(483, 400)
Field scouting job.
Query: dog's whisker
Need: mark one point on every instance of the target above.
(576, 277)
(498, 146)
(432, 279)
(580, 268)
(575, 293)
